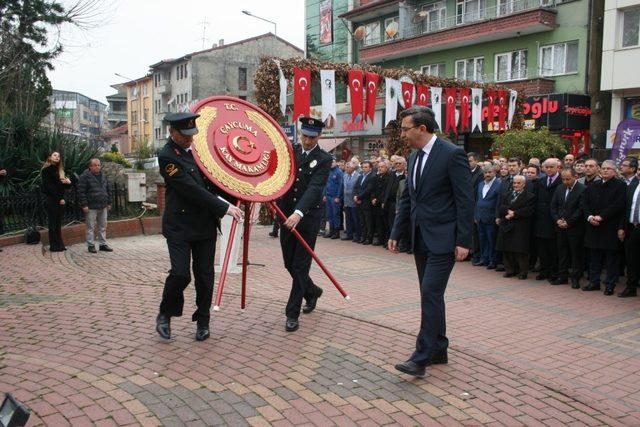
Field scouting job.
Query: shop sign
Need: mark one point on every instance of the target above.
(558, 111)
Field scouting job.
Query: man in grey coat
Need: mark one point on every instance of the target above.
(94, 195)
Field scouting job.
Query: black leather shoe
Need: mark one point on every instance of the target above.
(575, 283)
(366, 242)
(163, 326)
(608, 291)
(202, 332)
(522, 276)
(291, 325)
(438, 359)
(328, 235)
(491, 267)
(92, 249)
(376, 243)
(411, 368)
(311, 302)
(336, 235)
(477, 263)
(591, 287)
(272, 234)
(500, 268)
(105, 248)
(628, 292)
(562, 281)
(346, 238)
(509, 275)
(541, 276)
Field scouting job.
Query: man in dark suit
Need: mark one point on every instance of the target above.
(189, 223)
(514, 216)
(437, 206)
(630, 234)
(604, 208)
(544, 224)
(363, 193)
(476, 178)
(487, 196)
(566, 211)
(391, 190)
(303, 206)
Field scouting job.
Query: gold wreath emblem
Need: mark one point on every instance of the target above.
(266, 188)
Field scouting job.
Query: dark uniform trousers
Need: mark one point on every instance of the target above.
(180, 253)
(632, 254)
(297, 260)
(570, 255)
(548, 253)
(515, 262)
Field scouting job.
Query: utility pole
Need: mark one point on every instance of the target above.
(204, 24)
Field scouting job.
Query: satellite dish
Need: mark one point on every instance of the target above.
(358, 34)
(419, 16)
(392, 29)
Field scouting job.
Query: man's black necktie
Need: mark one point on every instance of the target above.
(419, 167)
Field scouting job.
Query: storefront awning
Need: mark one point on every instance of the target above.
(328, 144)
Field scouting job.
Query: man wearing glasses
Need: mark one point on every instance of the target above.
(437, 211)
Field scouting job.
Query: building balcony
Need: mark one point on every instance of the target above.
(513, 19)
(164, 87)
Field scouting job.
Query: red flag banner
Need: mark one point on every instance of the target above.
(450, 95)
(502, 109)
(356, 92)
(407, 94)
(465, 108)
(301, 93)
(373, 83)
(422, 95)
(491, 105)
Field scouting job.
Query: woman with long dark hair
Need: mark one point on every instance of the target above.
(54, 182)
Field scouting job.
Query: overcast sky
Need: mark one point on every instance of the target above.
(138, 33)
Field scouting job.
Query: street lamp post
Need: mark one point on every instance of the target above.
(275, 26)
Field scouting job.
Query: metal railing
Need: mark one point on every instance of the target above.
(27, 210)
(427, 24)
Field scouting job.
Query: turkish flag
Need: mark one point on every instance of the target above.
(407, 94)
(450, 95)
(502, 109)
(465, 108)
(301, 93)
(491, 105)
(422, 95)
(356, 92)
(373, 83)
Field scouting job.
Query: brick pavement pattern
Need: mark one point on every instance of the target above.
(78, 345)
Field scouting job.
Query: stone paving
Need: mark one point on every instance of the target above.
(78, 346)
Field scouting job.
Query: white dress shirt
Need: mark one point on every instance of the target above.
(427, 149)
(486, 187)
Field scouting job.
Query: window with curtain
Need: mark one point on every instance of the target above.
(558, 59)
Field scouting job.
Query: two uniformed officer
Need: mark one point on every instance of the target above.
(190, 221)
(302, 204)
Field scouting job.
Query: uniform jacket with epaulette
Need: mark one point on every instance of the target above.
(311, 176)
(192, 210)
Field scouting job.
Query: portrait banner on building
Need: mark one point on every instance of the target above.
(392, 88)
(326, 21)
(502, 109)
(476, 109)
(465, 108)
(328, 85)
(436, 104)
(513, 98)
(627, 135)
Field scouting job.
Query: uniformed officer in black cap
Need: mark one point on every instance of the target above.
(303, 206)
(190, 221)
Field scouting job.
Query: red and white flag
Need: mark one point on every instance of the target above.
(502, 109)
(301, 93)
(373, 84)
(451, 95)
(357, 93)
(407, 94)
(422, 95)
(491, 105)
(465, 108)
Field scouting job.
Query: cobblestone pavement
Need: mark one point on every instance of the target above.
(78, 345)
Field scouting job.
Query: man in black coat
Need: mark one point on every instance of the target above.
(515, 211)
(363, 193)
(189, 223)
(544, 224)
(303, 206)
(566, 211)
(604, 207)
(630, 234)
(391, 190)
(380, 224)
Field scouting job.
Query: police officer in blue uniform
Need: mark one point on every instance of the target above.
(303, 206)
(333, 199)
(189, 223)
